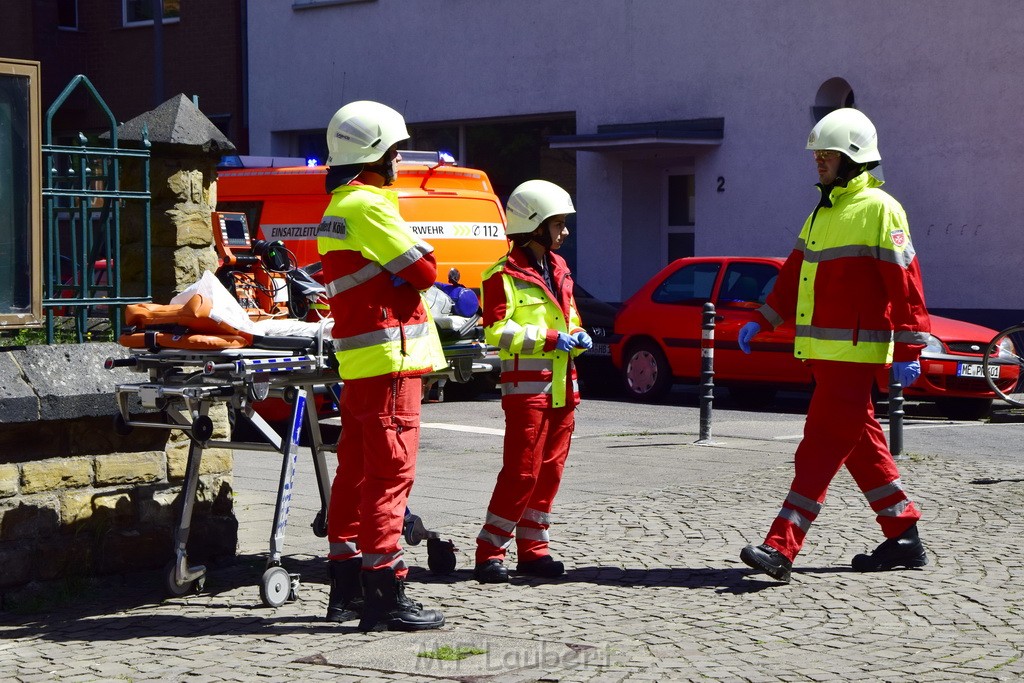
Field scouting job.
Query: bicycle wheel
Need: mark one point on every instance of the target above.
(1004, 359)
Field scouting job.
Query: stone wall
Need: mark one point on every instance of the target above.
(76, 498)
(184, 193)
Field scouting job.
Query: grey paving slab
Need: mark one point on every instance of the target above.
(650, 527)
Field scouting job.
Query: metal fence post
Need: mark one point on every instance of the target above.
(895, 415)
(707, 371)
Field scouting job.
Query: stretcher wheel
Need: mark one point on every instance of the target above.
(320, 525)
(121, 426)
(440, 556)
(275, 587)
(175, 589)
(202, 428)
(412, 529)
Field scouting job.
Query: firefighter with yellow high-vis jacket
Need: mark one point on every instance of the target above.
(852, 286)
(374, 270)
(529, 313)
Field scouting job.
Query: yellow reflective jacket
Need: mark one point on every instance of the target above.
(381, 325)
(522, 317)
(852, 284)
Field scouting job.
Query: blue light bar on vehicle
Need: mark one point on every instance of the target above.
(427, 158)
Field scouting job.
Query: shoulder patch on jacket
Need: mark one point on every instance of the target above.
(898, 237)
(333, 226)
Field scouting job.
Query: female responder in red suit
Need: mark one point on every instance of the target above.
(384, 338)
(853, 287)
(530, 315)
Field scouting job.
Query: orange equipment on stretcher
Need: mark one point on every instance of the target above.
(252, 270)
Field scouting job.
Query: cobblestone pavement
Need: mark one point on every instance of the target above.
(655, 591)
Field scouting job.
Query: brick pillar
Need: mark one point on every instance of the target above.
(185, 149)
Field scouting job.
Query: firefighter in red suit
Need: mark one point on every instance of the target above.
(530, 315)
(384, 339)
(852, 286)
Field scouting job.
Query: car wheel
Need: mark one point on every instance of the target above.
(965, 408)
(752, 398)
(646, 374)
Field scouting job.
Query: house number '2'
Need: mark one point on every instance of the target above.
(721, 183)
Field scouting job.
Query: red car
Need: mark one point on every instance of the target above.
(659, 332)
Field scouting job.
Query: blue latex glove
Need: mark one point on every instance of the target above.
(565, 342)
(397, 281)
(747, 332)
(583, 340)
(906, 372)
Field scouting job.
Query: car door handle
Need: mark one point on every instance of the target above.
(719, 318)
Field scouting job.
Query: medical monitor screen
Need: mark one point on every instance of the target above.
(236, 231)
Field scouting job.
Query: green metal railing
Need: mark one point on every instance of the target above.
(83, 201)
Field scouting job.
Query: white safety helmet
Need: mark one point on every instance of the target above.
(362, 132)
(848, 131)
(532, 203)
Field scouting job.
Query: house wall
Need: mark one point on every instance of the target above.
(938, 78)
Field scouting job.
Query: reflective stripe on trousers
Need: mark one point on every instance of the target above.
(376, 466)
(536, 447)
(841, 430)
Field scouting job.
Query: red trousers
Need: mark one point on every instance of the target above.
(841, 430)
(536, 447)
(380, 431)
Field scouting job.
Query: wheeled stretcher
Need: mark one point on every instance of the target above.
(183, 385)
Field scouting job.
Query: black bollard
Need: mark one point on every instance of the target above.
(895, 415)
(707, 371)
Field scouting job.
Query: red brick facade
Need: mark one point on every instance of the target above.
(202, 55)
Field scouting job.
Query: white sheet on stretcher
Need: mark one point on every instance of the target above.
(227, 309)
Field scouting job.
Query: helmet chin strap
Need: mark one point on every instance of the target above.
(544, 239)
(383, 168)
(847, 171)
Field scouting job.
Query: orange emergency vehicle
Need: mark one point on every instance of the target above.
(452, 208)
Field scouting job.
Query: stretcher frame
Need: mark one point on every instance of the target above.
(185, 384)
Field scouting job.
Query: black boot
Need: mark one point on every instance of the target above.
(544, 566)
(906, 550)
(387, 608)
(346, 600)
(491, 571)
(768, 560)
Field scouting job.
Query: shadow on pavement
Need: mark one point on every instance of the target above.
(113, 628)
(725, 580)
(728, 580)
(107, 595)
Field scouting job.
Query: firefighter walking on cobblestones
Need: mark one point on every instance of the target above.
(530, 315)
(853, 288)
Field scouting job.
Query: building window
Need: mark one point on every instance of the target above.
(140, 12)
(20, 196)
(67, 14)
(680, 216)
(680, 200)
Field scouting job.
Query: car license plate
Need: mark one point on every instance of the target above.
(600, 350)
(976, 370)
